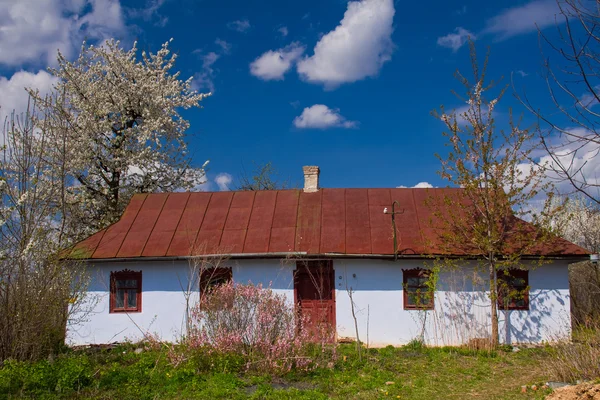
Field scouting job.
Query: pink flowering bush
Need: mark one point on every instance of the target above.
(257, 324)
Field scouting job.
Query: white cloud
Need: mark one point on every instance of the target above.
(225, 47)
(420, 185)
(461, 11)
(150, 13)
(588, 99)
(423, 185)
(240, 25)
(204, 78)
(356, 49)
(522, 73)
(581, 161)
(105, 19)
(223, 180)
(511, 22)
(283, 30)
(14, 96)
(319, 116)
(523, 19)
(273, 64)
(31, 31)
(455, 40)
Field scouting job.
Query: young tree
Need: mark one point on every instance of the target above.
(35, 288)
(498, 187)
(117, 119)
(570, 131)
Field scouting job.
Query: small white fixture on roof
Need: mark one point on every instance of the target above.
(311, 178)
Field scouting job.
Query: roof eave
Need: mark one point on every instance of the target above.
(305, 255)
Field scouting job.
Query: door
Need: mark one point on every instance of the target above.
(315, 296)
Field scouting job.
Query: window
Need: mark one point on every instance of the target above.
(213, 277)
(126, 291)
(417, 295)
(513, 289)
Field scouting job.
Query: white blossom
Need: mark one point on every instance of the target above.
(120, 118)
(578, 222)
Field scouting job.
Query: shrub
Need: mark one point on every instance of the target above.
(255, 323)
(416, 345)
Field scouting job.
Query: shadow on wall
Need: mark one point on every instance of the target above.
(533, 326)
(464, 311)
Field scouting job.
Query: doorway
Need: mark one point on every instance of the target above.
(314, 291)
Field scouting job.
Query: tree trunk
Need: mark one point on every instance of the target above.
(494, 304)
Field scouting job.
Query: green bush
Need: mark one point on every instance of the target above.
(416, 345)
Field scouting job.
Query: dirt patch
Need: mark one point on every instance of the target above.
(584, 391)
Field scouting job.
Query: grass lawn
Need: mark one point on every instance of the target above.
(410, 373)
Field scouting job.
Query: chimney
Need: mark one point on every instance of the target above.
(311, 178)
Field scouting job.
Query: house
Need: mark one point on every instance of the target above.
(140, 267)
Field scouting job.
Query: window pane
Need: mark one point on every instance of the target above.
(520, 303)
(414, 281)
(417, 297)
(127, 283)
(119, 299)
(131, 298)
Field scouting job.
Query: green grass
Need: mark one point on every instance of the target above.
(416, 373)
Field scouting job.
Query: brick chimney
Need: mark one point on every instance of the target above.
(311, 178)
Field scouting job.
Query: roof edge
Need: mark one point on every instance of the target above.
(305, 255)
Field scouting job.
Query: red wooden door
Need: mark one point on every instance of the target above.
(314, 287)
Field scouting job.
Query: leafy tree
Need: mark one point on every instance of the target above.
(116, 117)
(498, 187)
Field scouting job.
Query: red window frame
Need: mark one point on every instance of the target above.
(506, 282)
(213, 277)
(121, 276)
(416, 273)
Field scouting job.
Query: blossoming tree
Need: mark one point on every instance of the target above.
(117, 118)
(499, 186)
(35, 288)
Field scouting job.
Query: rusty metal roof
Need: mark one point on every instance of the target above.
(338, 221)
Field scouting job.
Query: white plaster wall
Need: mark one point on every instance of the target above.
(163, 300)
(462, 306)
(461, 303)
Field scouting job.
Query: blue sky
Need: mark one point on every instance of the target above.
(345, 86)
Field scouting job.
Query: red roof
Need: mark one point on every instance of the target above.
(339, 221)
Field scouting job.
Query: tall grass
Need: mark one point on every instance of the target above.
(579, 359)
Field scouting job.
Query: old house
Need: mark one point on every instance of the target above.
(315, 246)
